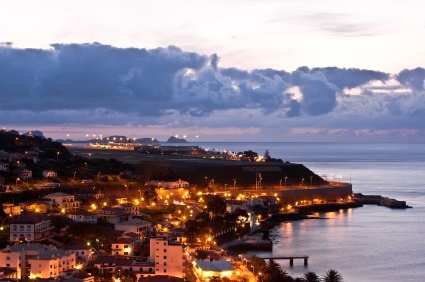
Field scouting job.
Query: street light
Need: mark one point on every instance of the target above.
(74, 174)
(234, 183)
(85, 164)
(98, 176)
(197, 137)
(17, 179)
(140, 194)
(285, 179)
(57, 155)
(302, 182)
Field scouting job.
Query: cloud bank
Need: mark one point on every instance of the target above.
(96, 84)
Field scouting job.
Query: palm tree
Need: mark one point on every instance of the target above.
(274, 273)
(332, 276)
(310, 277)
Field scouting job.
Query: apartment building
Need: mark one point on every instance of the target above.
(168, 257)
(36, 260)
(135, 225)
(30, 226)
(63, 201)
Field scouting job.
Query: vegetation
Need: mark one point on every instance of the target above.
(272, 272)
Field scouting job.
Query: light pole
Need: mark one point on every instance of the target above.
(98, 176)
(225, 187)
(74, 174)
(126, 187)
(16, 183)
(234, 183)
(140, 194)
(57, 155)
(311, 180)
(280, 183)
(197, 137)
(285, 179)
(85, 164)
(302, 182)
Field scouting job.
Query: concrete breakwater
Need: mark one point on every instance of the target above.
(380, 201)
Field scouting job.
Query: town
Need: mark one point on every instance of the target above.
(69, 215)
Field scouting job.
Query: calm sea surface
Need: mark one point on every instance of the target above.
(365, 244)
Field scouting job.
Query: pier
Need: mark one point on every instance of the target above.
(290, 258)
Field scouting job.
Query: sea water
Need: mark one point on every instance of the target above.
(371, 243)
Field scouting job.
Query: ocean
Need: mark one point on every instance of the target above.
(366, 244)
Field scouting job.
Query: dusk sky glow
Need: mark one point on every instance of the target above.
(226, 70)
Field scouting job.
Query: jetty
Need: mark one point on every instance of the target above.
(380, 201)
(290, 258)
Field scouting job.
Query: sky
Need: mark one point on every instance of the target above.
(222, 70)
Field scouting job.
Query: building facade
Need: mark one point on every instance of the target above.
(36, 260)
(168, 257)
(30, 227)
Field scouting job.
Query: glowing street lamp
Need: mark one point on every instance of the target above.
(74, 174)
(302, 182)
(17, 179)
(285, 179)
(197, 137)
(234, 183)
(57, 155)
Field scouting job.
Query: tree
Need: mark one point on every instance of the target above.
(267, 155)
(258, 263)
(332, 276)
(216, 206)
(310, 277)
(274, 273)
(201, 255)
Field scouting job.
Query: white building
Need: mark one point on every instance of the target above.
(63, 201)
(49, 173)
(83, 216)
(36, 260)
(135, 225)
(168, 184)
(130, 208)
(30, 226)
(113, 215)
(168, 257)
(123, 247)
(82, 252)
(24, 173)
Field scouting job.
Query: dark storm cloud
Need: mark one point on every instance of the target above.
(110, 81)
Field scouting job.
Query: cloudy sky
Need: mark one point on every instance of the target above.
(226, 70)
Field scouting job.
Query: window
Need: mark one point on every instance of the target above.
(165, 264)
(7, 258)
(15, 228)
(125, 246)
(116, 247)
(8, 265)
(28, 227)
(165, 250)
(165, 270)
(165, 243)
(21, 228)
(165, 257)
